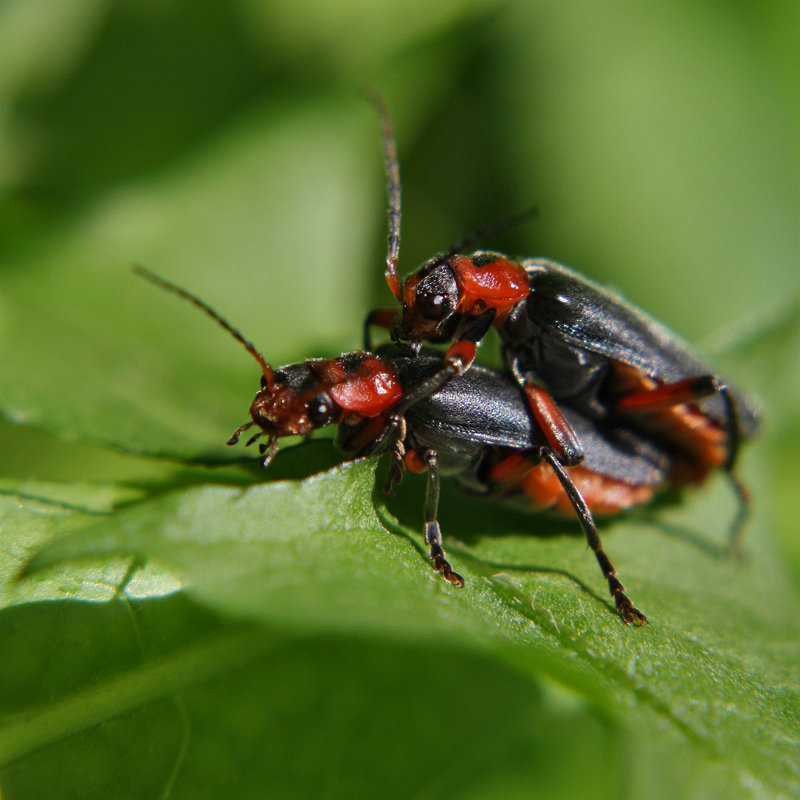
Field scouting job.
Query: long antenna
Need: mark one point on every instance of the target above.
(495, 226)
(393, 193)
(162, 283)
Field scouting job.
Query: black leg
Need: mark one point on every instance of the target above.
(383, 318)
(433, 534)
(396, 433)
(629, 613)
(454, 364)
(732, 418)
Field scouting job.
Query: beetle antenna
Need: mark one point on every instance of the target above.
(490, 229)
(162, 283)
(393, 192)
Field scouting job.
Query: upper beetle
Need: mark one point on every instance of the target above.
(588, 346)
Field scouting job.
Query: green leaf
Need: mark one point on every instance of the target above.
(715, 660)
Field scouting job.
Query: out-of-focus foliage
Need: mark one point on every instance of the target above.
(223, 635)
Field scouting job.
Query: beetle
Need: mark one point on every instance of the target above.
(592, 350)
(476, 426)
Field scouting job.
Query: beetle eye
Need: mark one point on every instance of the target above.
(320, 411)
(436, 295)
(435, 306)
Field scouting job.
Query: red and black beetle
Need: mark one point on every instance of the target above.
(477, 426)
(592, 350)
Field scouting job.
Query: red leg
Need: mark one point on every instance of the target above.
(668, 396)
(558, 432)
(689, 390)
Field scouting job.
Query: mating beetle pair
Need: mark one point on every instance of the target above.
(590, 349)
(477, 426)
(602, 406)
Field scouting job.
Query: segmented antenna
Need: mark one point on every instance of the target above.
(162, 283)
(392, 169)
(490, 229)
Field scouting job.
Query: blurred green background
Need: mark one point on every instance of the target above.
(226, 145)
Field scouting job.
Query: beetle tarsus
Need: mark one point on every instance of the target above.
(627, 611)
(238, 432)
(442, 565)
(437, 555)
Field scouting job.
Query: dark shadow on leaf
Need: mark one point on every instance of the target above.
(490, 570)
(466, 517)
(49, 501)
(487, 568)
(251, 717)
(696, 540)
(294, 463)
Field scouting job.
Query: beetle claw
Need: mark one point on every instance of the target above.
(442, 565)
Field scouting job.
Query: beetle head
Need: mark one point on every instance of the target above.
(290, 402)
(429, 301)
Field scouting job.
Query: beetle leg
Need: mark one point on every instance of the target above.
(239, 431)
(383, 318)
(397, 451)
(734, 441)
(691, 390)
(457, 361)
(659, 398)
(474, 328)
(433, 533)
(368, 438)
(625, 608)
(553, 424)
